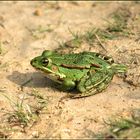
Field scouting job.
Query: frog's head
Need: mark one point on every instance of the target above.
(44, 63)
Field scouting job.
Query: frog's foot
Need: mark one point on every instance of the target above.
(67, 85)
(102, 81)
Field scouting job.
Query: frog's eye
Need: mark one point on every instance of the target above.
(45, 62)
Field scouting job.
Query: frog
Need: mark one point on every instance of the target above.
(88, 72)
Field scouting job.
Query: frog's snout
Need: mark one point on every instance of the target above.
(31, 62)
(34, 62)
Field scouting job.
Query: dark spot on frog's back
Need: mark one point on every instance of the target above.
(106, 58)
(97, 54)
(103, 56)
(110, 60)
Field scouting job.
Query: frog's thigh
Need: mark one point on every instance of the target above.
(68, 84)
(88, 81)
(81, 84)
(103, 81)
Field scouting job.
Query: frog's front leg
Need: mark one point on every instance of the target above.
(67, 84)
(94, 83)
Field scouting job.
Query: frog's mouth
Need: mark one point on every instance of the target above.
(55, 76)
(42, 66)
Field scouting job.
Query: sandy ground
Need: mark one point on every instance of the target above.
(20, 42)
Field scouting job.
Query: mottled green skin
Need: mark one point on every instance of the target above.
(89, 72)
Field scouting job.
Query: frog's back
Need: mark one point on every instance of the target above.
(81, 60)
(88, 57)
(74, 59)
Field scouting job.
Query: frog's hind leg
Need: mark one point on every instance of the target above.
(93, 84)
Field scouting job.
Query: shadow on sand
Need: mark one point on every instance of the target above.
(32, 79)
(35, 80)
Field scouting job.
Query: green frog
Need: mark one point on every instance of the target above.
(88, 72)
